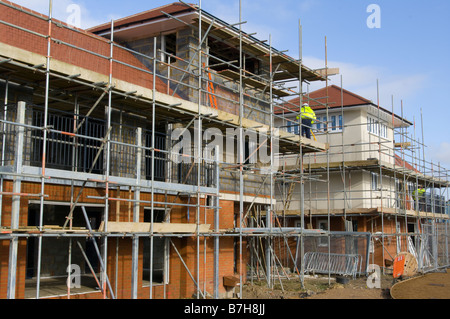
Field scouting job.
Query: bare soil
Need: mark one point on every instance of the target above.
(429, 286)
(319, 288)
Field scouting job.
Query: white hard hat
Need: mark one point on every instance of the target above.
(305, 104)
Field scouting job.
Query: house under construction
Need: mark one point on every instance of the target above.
(373, 170)
(111, 179)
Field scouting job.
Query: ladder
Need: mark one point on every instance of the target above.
(211, 93)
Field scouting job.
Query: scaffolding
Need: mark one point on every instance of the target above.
(387, 164)
(120, 159)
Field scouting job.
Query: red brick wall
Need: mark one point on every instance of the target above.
(180, 284)
(21, 267)
(364, 225)
(387, 248)
(62, 52)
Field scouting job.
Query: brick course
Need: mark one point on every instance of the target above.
(180, 284)
(69, 54)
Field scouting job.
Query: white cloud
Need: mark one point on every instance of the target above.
(258, 13)
(362, 80)
(400, 87)
(64, 10)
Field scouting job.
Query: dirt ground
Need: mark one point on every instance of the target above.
(318, 288)
(430, 286)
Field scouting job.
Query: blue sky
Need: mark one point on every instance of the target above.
(407, 54)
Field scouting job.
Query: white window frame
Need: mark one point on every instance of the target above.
(375, 127)
(322, 125)
(336, 122)
(374, 181)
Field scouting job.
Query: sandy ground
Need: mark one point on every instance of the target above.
(429, 286)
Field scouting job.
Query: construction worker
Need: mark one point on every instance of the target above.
(308, 116)
(419, 198)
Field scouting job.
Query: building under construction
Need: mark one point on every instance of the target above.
(368, 181)
(159, 156)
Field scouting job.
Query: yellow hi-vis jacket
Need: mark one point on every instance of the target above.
(307, 113)
(419, 193)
